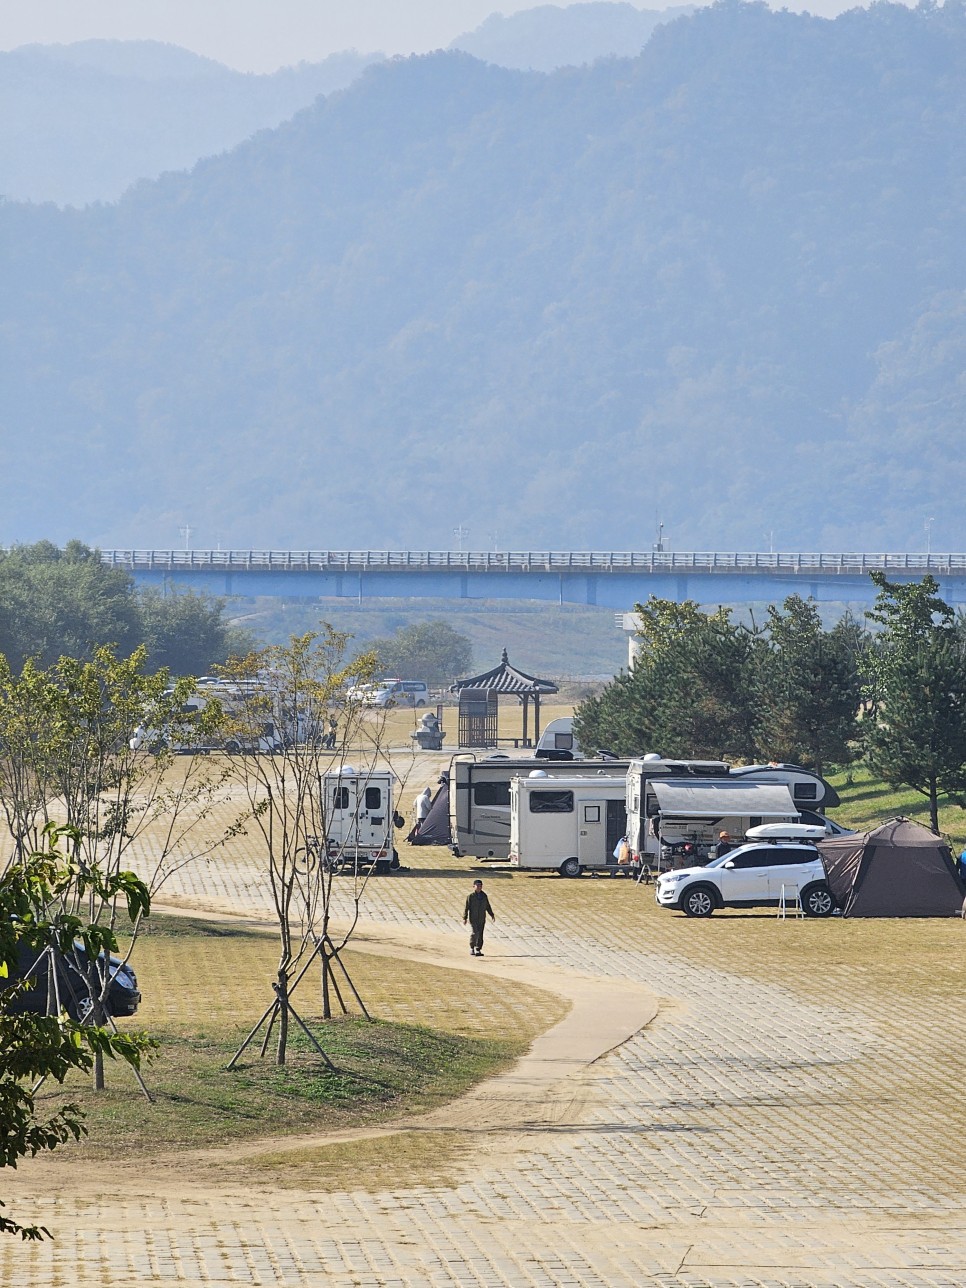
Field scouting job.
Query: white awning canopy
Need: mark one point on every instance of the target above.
(694, 798)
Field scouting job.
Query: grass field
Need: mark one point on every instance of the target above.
(867, 802)
(206, 983)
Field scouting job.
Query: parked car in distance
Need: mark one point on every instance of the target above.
(397, 693)
(778, 861)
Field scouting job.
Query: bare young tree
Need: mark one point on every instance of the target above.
(302, 690)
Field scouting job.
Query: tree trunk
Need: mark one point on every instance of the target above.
(98, 1016)
(933, 805)
(326, 998)
(281, 992)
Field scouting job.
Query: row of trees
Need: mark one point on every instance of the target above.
(790, 690)
(84, 809)
(432, 651)
(65, 602)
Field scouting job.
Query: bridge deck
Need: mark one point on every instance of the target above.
(597, 561)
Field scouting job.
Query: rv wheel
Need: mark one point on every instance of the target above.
(233, 747)
(817, 901)
(570, 868)
(394, 861)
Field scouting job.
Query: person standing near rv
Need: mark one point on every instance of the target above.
(421, 806)
(725, 844)
(476, 911)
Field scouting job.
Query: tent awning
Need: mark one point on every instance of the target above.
(696, 799)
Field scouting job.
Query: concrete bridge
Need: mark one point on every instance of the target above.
(609, 579)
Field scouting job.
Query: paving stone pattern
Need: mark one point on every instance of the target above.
(748, 1137)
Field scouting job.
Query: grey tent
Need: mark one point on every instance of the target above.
(435, 828)
(899, 870)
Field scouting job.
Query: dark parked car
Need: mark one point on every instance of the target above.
(123, 997)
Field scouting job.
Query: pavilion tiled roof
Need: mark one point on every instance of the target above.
(506, 679)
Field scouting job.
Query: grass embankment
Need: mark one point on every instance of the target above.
(205, 985)
(868, 802)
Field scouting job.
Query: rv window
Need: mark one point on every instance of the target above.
(373, 797)
(340, 798)
(805, 791)
(591, 813)
(551, 802)
(563, 742)
(491, 793)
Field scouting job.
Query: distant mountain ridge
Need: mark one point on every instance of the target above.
(83, 122)
(722, 285)
(551, 36)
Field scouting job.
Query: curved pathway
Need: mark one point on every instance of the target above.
(729, 1134)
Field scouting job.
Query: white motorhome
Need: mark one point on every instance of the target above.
(567, 823)
(655, 817)
(679, 812)
(359, 814)
(188, 738)
(479, 797)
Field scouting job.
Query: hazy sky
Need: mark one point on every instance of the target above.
(260, 35)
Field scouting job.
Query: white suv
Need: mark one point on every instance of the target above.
(778, 858)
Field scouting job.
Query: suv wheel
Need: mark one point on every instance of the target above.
(697, 901)
(818, 900)
(570, 868)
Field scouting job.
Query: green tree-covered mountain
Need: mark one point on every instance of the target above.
(720, 284)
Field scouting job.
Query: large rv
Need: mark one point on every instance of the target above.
(479, 797)
(566, 823)
(663, 812)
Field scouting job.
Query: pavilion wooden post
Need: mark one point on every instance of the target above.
(536, 717)
(526, 703)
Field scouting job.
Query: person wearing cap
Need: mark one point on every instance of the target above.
(725, 843)
(475, 912)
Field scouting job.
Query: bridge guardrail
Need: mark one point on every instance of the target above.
(527, 561)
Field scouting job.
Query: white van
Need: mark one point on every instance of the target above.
(397, 693)
(566, 824)
(557, 742)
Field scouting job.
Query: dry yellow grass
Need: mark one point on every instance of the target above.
(402, 1160)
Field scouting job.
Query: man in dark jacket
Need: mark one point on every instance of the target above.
(476, 912)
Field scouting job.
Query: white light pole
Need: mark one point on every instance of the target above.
(186, 532)
(460, 534)
(928, 526)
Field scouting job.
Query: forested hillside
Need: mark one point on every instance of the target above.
(721, 284)
(83, 122)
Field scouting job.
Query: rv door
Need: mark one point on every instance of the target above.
(592, 833)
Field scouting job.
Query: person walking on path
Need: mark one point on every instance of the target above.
(476, 912)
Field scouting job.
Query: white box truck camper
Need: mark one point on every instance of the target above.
(359, 814)
(568, 824)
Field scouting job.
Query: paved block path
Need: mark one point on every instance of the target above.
(684, 1127)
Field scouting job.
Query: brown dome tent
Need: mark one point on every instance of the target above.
(899, 870)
